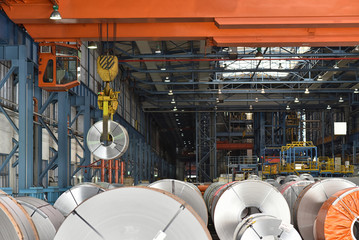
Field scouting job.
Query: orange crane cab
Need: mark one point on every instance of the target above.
(59, 67)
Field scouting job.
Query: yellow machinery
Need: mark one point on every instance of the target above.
(107, 69)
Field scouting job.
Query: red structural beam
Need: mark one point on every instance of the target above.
(234, 146)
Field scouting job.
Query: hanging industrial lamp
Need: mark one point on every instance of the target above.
(356, 91)
(173, 101)
(170, 93)
(341, 100)
(296, 100)
(263, 91)
(92, 45)
(287, 108)
(329, 107)
(55, 15)
(259, 53)
(306, 91)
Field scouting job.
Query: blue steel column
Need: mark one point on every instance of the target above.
(30, 126)
(38, 132)
(87, 126)
(63, 105)
(197, 146)
(23, 138)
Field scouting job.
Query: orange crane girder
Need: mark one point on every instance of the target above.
(229, 23)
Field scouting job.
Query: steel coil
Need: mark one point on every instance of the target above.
(311, 199)
(338, 216)
(217, 195)
(209, 191)
(46, 218)
(115, 148)
(291, 178)
(133, 213)
(263, 226)
(273, 182)
(15, 222)
(280, 179)
(244, 198)
(306, 176)
(291, 191)
(73, 197)
(186, 192)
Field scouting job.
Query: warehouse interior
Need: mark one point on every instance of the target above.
(207, 95)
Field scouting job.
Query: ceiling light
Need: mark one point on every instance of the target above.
(263, 91)
(167, 79)
(174, 108)
(217, 100)
(173, 101)
(92, 45)
(341, 100)
(219, 91)
(296, 100)
(170, 93)
(319, 78)
(163, 69)
(256, 100)
(182, 134)
(287, 108)
(250, 107)
(306, 91)
(259, 53)
(356, 91)
(328, 108)
(335, 66)
(55, 15)
(177, 119)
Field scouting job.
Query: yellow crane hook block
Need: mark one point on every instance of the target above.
(107, 67)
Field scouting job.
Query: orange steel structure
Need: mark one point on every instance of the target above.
(223, 23)
(106, 166)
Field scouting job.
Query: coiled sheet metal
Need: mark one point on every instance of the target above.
(136, 213)
(186, 192)
(291, 191)
(212, 188)
(115, 148)
(291, 178)
(46, 218)
(73, 197)
(263, 226)
(311, 199)
(273, 182)
(247, 197)
(216, 196)
(15, 222)
(338, 216)
(306, 176)
(106, 185)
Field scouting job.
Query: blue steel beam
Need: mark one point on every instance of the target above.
(49, 100)
(9, 156)
(63, 105)
(52, 162)
(38, 136)
(7, 75)
(30, 125)
(23, 113)
(9, 119)
(48, 130)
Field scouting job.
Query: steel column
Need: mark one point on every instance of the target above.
(63, 139)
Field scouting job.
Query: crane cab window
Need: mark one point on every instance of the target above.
(48, 76)
(66, 70)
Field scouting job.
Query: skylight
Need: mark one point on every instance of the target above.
(286, 52)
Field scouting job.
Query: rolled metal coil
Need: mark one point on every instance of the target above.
(263, 226)
(217, 195)
(73, 197)
(194, 187)
(185, 191)
(106, 185)
(245, 198)
(311, 199)
(273, 182)
(280, 179)
(291, 191)
(46, 218)
(291, 178)
(116, 148)
(209, 190)
(133, 213)
(15, 222)
(306, 176)
(254, 177)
